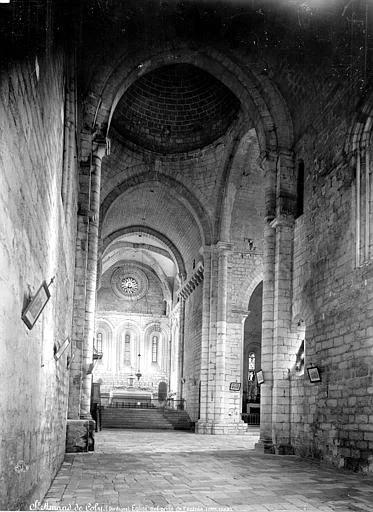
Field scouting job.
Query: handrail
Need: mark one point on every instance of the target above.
(146, 404)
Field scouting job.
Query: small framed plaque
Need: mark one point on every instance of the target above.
(314, 374)
(260, 377)
(36, 306)
(235, 386)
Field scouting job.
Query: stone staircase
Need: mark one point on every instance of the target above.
(179, 419)
(128, 418)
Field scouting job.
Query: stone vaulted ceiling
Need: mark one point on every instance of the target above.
(175, 108)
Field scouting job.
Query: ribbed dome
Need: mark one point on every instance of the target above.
(175, 108)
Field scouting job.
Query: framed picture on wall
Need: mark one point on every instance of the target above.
(234, 386)
(314, 374)
(260, 377)
(36, 305)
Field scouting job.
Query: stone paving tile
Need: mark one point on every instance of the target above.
(133, 471)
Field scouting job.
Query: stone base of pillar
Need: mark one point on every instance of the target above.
(267, 446)
(220, 428)
(80, 436)
(264, 446)
(284, 449)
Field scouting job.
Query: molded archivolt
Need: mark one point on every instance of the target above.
(362, 127)
(157, 206)
(255, 281)
(111, 239)
(242, 163)
(186, 200)
(264, 106)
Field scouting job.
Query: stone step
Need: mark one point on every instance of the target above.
(144, 418)
(139, 418)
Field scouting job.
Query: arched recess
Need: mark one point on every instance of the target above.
(175, 188)
(152, 232)
(231, 179)
(361, 126)
(162, 391)
(124, 328)
(360, 147)
(151, 330)
(252, 351)
(260, 98)
(249, 288)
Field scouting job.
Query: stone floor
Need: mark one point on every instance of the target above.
(181, 471)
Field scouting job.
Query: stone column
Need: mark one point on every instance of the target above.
(78, 322)
(220, 411)
(221, 334)
(282, 336)
(270, 167)
(98, 152)
(180, 363)
(80, 427)
(236, 326)
(205, 342)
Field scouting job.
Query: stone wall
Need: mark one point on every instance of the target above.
(36, 243)
(333, 295)
(192, 351)
(151, 303)
(112, 371)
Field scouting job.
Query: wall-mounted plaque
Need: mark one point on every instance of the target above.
(314, 374)
(260, 377)
(36, 306)
(235, 386)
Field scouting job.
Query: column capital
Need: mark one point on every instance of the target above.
(269, 155)
(268, 219)
(100, 146)
(223, 247)
(286, 153)
(243, 313)
(286, 221)
(272, 155)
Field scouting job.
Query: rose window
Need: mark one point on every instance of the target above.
(129, 282)
(129, 285)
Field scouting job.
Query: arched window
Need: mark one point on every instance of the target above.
(127, 350)
(155, 349)
(251, 366)
(98, 345)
